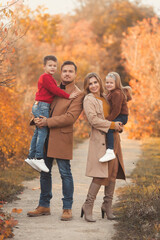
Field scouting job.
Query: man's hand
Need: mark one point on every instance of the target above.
(41, 121)
(118, 126)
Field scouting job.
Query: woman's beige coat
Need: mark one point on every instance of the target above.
(93, 109)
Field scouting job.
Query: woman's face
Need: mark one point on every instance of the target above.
(94, 86)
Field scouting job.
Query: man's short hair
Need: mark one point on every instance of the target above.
(69, 63)
(48, 58)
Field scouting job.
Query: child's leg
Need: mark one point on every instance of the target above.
(121, 118)
(32, 149)
(42, 132)
(41, 137)
(109, 155)
(110, 139)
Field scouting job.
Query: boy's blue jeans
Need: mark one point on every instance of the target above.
(67, 183)
(110, 139)
(40, 134)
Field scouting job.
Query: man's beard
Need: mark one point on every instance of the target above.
(66, 81)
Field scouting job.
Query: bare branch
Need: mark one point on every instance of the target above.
(7, 6)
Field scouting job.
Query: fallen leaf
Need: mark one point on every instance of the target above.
(36, 188)
(15, 210)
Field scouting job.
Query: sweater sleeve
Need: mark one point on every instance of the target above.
(116, 104)
(51, 85)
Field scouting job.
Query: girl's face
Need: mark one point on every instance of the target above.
(94, 86)
(110, 84)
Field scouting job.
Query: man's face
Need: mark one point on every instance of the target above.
(68, 74)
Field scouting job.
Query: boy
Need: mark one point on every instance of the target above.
(47, 90)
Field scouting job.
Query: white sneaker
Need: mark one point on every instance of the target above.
(40, 164)
(109, 155)
(30, 162)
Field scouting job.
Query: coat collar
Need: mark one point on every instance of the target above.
(69, 87)
(91, 95)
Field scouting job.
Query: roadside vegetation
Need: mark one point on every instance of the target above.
(138, 209)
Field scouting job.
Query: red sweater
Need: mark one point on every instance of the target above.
(47, 89)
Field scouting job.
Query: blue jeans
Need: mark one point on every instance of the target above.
(67, 183)
(110, 139)
(40, 134)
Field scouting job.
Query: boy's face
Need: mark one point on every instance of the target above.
(50, 67)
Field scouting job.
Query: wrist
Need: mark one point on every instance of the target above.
(112, 126)
(46, 122)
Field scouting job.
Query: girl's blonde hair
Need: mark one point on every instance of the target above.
(127, 90)
(117, 78)
(86, 82)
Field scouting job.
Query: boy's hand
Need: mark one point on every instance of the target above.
(41, 121)
(74, 95)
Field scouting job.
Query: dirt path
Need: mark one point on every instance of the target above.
(51, 227)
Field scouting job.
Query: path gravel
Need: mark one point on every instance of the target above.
(51, 227)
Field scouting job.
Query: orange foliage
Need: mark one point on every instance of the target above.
(14, 129)
(81, 127)
(141, 48)
(79, 45)
(7, 222)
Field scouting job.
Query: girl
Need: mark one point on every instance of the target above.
(117, 97)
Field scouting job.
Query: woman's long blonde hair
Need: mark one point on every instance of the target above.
(86, 82)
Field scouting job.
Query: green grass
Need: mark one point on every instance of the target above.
(139, 207)
(11, 181)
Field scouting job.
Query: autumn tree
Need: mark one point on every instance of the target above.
(141, 49)
(109, 19)
(9, 35)
(14, 132)
(80, 46)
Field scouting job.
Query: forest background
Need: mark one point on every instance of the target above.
(99, 36)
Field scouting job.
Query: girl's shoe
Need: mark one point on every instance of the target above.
(30, 162)
(109, 155)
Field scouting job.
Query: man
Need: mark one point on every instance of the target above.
(59, 144)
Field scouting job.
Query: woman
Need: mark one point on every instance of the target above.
(97, 109)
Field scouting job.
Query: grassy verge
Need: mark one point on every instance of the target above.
(139, 207)
(10, 185)
(11, 181)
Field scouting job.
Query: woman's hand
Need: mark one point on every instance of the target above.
(41, 122)
(118, 126)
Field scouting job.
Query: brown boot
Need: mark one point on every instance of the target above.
(66, 215)
(39, 211)
(88, 205)
(107, 204)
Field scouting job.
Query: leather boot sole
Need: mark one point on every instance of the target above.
(37, 215)
(66, 219)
